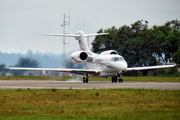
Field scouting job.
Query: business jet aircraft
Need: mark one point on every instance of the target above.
(108, 63)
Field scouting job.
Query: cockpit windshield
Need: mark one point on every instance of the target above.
(115, 59)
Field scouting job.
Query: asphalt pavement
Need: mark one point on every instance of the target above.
(48, 84)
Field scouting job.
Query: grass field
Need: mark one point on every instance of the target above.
(145, 79)
(89, 104)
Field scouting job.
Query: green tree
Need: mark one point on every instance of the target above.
(2, 67)
(2, 70)
(176, 56)
(25, 62)
(167, 37)
(102, 43)
(140, 45)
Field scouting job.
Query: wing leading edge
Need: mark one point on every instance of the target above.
(150, 67)
(84, 71)
(77, 71)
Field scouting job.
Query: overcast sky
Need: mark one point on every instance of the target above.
(21, 21)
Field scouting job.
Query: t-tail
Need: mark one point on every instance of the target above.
(80, 36)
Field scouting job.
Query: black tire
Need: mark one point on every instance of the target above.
(120, 80)
(84, 79)
(112, 79)
(115, 79)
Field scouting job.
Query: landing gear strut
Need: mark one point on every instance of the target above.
(120, 78)
(85, 79)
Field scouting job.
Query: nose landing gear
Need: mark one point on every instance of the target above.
(114, 78)
(120, 80)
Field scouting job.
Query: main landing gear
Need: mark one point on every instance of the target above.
(85, 79)
(114, 79)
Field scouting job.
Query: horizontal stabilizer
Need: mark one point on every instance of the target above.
(65, 35)
(73, 35)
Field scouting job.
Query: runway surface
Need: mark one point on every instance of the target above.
(48, 84)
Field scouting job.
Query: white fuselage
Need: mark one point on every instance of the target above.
(109, 65)
(109, 62)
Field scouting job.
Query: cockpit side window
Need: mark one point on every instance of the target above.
(115, 59)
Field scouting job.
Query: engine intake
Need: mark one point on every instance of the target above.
(83, 56)
(79, 57)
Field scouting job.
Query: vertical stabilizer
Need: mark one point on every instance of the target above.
(82, 42)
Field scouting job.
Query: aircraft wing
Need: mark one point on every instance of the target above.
(77, 71)
(150, 67)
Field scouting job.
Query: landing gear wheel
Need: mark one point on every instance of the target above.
(84, 79)
(87, 80)
(120, 80)
(114, 79)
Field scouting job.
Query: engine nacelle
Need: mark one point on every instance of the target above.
(109, 52)
(79, 57)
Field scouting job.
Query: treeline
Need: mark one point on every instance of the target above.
(140, 45)
(45, 60)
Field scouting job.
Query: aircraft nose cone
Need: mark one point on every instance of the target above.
(120, 66)
(123, 66)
